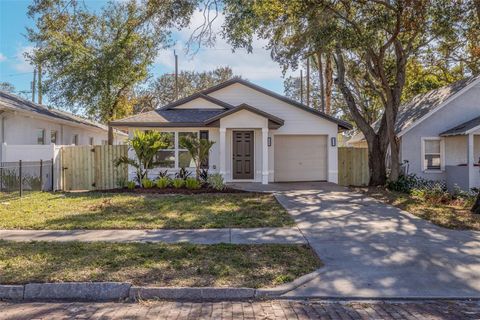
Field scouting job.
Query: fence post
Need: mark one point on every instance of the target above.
(41, 175)
(20, 177)
(53, 180)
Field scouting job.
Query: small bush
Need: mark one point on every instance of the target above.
(163, 174)
(147, 183)
(406, 183)
(163, 182)
(216, 181)
(192, 183)
(131, 185)
(183, 174)
(178, 183)
(122, 182)
(204, 175)
(433, 195)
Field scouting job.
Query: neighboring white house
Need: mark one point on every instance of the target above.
(440, 134)
(259, 135)
(25, 126)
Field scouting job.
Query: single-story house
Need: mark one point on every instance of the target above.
(259, 135)
(439, 134)
(23, 122)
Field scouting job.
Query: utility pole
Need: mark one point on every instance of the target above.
(34, 84)
(301, 86)
(39, 84)
(176, 75)
(308, 81)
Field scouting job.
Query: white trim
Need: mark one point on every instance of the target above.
(442, 155)
(456, 95)
(473, 130)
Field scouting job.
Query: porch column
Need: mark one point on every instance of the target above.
(471, 161)
(265, 155)
(223, 152)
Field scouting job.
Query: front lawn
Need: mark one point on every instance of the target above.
(154, 264)
(92, 210)
(453, 215)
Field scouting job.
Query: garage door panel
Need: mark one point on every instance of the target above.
(300, 158)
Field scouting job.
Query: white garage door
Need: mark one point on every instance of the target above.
(300, 157)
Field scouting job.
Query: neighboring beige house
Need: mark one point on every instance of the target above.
(439, 134)
(259, 135)
(24, 123)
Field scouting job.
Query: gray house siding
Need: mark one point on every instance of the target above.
(463, 108)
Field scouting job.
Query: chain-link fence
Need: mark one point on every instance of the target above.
(24, 176)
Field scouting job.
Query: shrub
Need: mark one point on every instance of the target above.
(178, 183)
(147, 183)
(163, 182)
(216, 181)
(182, 174)
(131, 185)
(434, 195)
(163, 174)
(122, 182)
(204, 175)
(192, 183)
(406, 183)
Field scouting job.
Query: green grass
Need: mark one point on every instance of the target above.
(153, 264)
(131, 211)
(453, 215)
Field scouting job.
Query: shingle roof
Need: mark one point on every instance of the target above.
(462, 128)
(169, 116)
(13, 102)
(421, 105)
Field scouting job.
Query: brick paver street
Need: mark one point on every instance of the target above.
(277, 309)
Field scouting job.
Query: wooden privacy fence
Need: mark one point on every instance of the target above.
(92, 167)
(353, 166)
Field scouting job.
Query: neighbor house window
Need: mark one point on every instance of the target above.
(40, 136)
(184, 158)
(53, 136)
(166, 156)
(432, 150)
(75, 139)
(90, 141)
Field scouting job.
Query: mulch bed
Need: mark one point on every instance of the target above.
(171, 190)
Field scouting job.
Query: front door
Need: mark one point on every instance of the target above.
(243, 155)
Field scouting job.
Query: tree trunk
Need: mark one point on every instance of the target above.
(320, 78)
(328, 83)
(376, 162)
(476, 207)
(110, 135)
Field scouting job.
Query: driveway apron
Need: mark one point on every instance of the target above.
(373, 250)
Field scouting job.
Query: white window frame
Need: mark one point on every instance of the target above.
(442, 155)
(177, 147)
(175, 154)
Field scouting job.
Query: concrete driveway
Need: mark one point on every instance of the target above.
(373, 250)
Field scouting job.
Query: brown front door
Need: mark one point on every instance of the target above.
(242, 154)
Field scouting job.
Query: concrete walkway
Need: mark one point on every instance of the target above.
(371, 249)
(198, 236)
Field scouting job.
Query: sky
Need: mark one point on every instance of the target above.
(257, 67)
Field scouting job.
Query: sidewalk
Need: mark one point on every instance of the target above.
(196, 236)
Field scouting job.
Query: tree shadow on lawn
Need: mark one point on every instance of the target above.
(173, 212)
(155, 264)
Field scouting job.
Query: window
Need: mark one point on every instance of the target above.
(40, 136)
(166, 156)
(184, 158)
(53, 136)
(104, 142)
(91, 141)
(432, 150)
(75, 139)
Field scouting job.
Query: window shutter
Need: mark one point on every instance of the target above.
(204, 135)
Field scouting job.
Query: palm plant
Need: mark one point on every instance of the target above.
(145, 145)
(198, 149)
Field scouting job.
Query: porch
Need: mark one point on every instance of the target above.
(462, 155)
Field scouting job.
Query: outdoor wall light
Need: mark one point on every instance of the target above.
(269, 141)
(333, 141)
